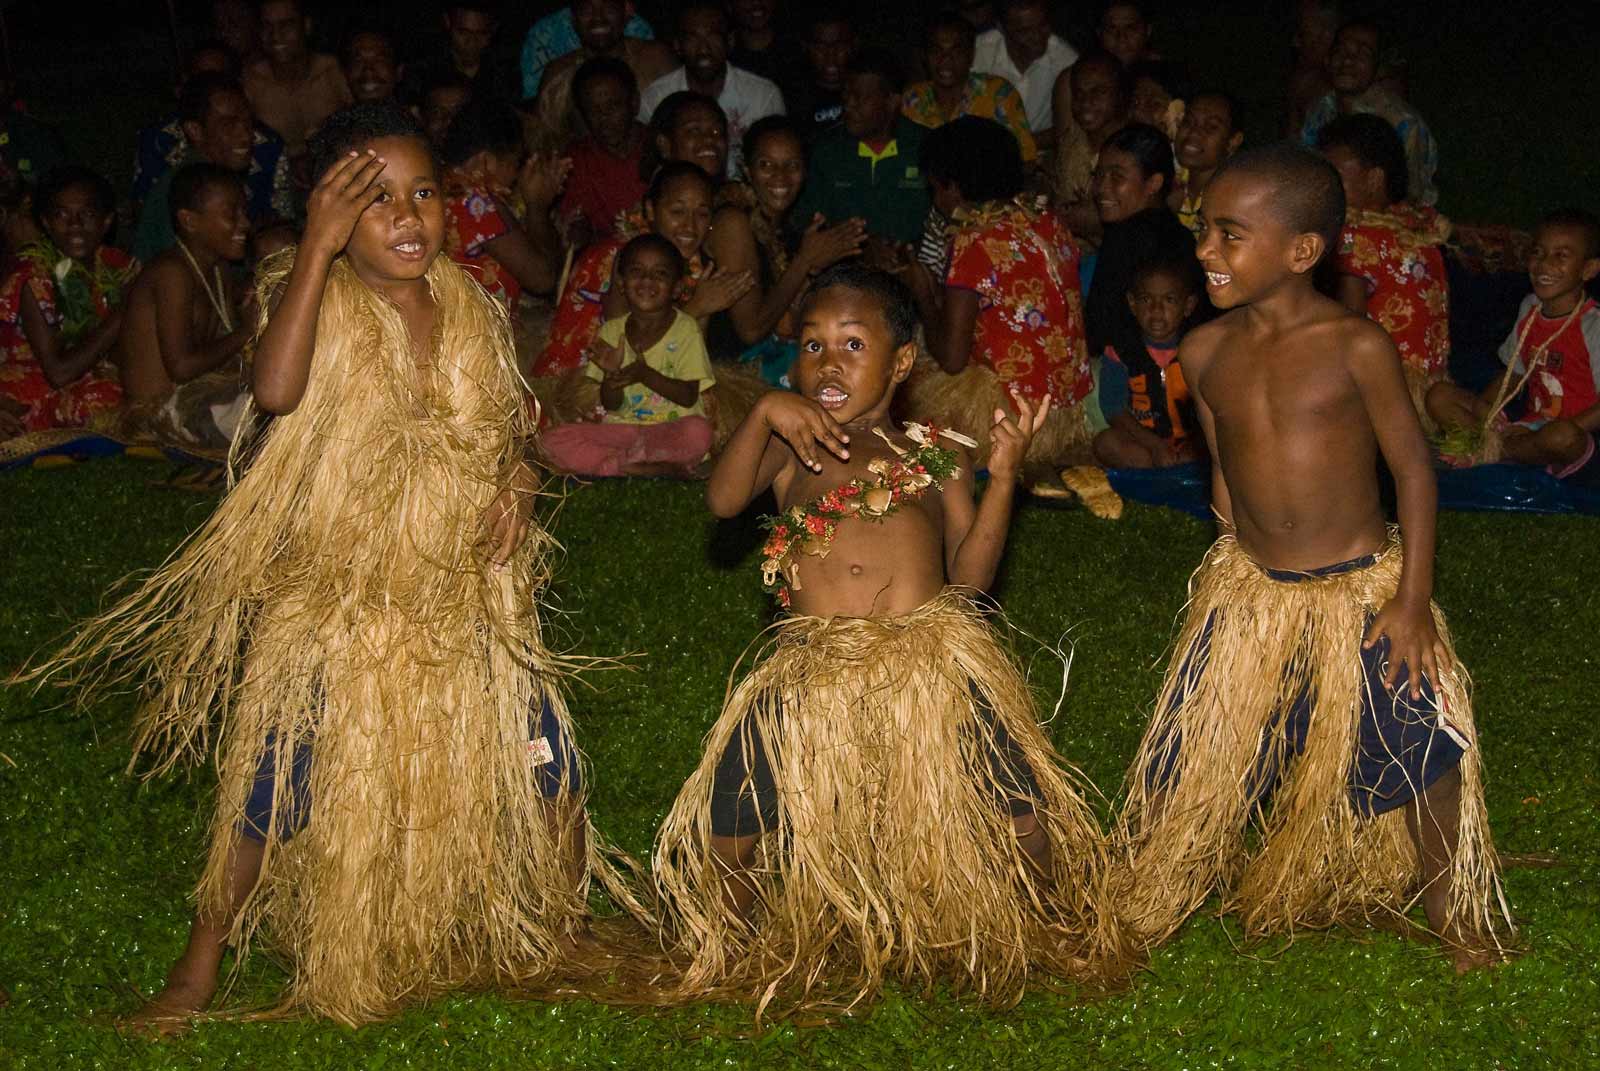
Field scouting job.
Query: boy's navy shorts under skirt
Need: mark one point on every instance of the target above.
(556, 774)
(744, 799)
(1400, 747)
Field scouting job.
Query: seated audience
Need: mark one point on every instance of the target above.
(215, 127)
(701, 42)
(371, 68)
(759, 46)
(183, 328)
(1158, 95)
(1390, 259)
(1353, 70)
(1552, 359)
(161, 145)
(605, 180)
(486, 168)
(466, 55)
(1101, 94)
(1125, 32)
(599, 25)
(815, 97)
(754, 231)
(61, 308)
(1130, 191)
(554, 36)
(954, 89)
(1024, 52)
(1142, 394)
(870, 167)
(18, 225)
(690, 127)
(1006, 320)
(441, 98)
(292, 89)
(1316, 25)
(1208, 134)
(652, 368)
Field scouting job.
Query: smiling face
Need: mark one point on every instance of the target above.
(682, 215)
(599, 23)
(1161, 302)
(699, 137)
(225, 137)
(284, 31)
(1097, 103)
(1559, 265)
(1353, 63)
(649, 279)
(399, 235)
(870, 106)
(777, 171)
(1120, 187)
(702, 44)
(848, 362)
(1206, 136)
(370, 68)
(950, 54)
(218, 223)
(76, 222)
(1246, 249)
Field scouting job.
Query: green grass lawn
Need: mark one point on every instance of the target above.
(94, 866)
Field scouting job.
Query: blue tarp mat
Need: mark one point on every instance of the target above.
(89, 446)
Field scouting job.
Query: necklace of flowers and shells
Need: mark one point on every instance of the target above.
(810, 528)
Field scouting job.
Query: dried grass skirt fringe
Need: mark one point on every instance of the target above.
(894, 854)
(1317, 862)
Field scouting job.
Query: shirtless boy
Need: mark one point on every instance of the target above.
(877, 798)
(183, 330)
(1313, 684)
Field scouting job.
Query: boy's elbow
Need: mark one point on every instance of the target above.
(274, 399)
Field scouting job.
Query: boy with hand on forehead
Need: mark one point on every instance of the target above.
(1313, 684)
(877, 799)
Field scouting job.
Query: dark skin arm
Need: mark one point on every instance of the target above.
(183, 358)
(949, 317)
(975, 538)
(283, 357)
(1194, 354)
(732, 245)
(782, 430)
(64, 364)
(1407, 619)
(532, 252)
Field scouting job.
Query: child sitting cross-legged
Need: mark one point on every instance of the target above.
(877, 799)
(652, 367)
(61, 308)
(1142, 392)
(1552, 354)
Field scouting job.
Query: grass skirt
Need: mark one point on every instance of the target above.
(966, 402)
(892, 857)
(341, 596)
(1317, 862)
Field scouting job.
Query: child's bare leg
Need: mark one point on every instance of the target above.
(1452, 406)
(1433, 822)
(569, 826)
(1115, 449)
(735, 856)
(1034, 840)
(1560, 442)
(192, 981)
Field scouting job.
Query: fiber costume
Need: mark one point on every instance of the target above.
(1271, 709)
(339, 600)
(888, 756)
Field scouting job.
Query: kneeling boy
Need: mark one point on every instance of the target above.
(1314, 684)
(877, 799)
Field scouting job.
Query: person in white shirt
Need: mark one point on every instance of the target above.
(1024, 52)
(701, 42)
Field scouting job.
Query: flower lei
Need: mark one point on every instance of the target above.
(810, 528)
(84, 295)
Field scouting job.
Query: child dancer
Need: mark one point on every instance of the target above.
(356, 628)
(1314, 685)
(877, 799)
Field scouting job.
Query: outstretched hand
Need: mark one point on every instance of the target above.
(344, 192)
(805, 426)
(1009, 438)
(1413, 643)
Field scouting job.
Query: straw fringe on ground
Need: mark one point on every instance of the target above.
(966, 402)
(1318, 862)
(340, 596)
(893, 857)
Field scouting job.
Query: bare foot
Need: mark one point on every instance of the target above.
(1471, 955)
(171, 1012)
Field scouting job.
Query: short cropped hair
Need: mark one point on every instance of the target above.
(190, 184)
(61, 179)
(1124, 76)
(194, 102)
(1375, 144)
(1307, 193)
(1578, 219)
(1149, 148)
(671, 172)
(978, 155)
(352, 127)
(1185, 269)
(892, 296)
(482, 126)
(651, 243)
(949, 20)
(881, 63)
(597, 68)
